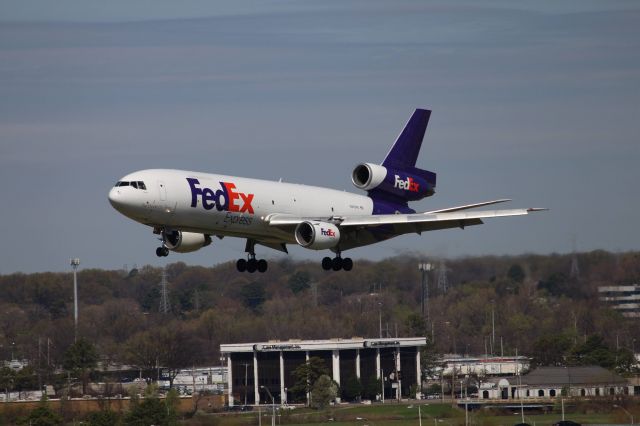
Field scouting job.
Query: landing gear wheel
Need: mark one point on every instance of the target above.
(326, 263)
(262, 265)
(241, 265)
(347, 264)
(336, 263)
(162, 252)
(252, 265)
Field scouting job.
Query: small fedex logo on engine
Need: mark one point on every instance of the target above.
(227, 198)
(327, 232)
(408, 185)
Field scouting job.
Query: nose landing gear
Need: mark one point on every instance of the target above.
(162, 252)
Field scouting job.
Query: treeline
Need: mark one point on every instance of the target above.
(492, 305)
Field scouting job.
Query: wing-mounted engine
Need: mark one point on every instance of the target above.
(317, 235)
(184, 242)
(406, 183)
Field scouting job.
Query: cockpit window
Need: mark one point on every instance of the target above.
(136, 184)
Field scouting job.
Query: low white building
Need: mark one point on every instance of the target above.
(551, 382)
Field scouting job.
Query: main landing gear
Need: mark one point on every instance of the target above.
(337, 263)
(251, 264)
(162, 252)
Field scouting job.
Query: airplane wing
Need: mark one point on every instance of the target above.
(419, 222)
(415, 222)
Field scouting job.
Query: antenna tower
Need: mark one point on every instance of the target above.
(165, 307)
(443, 285)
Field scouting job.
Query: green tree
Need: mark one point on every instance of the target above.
(42, 416)
(7, 379)
(103, 418)
(372, 387)
(416, 325)
(516, 273)
(299, 281)
(26, 379)
(351, 389)
(253, 294)
(594, 351)
(306, 375)
(80, 358)
(625, 361)
(429, 360)
(551, 350)
(150, 411)
(323, 392)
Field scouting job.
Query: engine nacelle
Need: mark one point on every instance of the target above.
(184, 242)
(408, 183)
(367, 176)
(317, 235)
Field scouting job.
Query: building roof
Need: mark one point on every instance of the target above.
(570, 376)
(324, 345)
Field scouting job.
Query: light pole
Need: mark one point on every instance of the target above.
(380, 318)
(425, 268)
(273, 406)
(625, 410)
(75, 262)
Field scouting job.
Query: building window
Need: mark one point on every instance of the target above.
(583, 392)
(485, 394)
(552, 392)
(540, 392)
(597, 391)
(612, 391)
(528, 393)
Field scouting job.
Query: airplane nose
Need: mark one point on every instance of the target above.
(115, 198)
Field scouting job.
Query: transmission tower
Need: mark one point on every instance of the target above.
(443, 285)
(575, 268)
(165, 307)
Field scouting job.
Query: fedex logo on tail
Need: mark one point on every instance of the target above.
(327, 232)
(408, 185)
(226, 198)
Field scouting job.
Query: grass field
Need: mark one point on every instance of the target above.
(405, 414)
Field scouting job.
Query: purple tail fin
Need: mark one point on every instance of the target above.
(405, 150)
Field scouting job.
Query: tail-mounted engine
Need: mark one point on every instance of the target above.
(184, 242)
(407, 184)
(317, 235)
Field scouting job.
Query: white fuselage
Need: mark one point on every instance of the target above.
(227, 205)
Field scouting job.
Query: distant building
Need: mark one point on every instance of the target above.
(16, 364)
(252, 367)
(202, 378)
(622, 298)
(551, 382)
(484, 366)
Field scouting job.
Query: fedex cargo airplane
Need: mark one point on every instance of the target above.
(186, 209)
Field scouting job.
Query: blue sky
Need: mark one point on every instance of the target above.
(535, 101)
